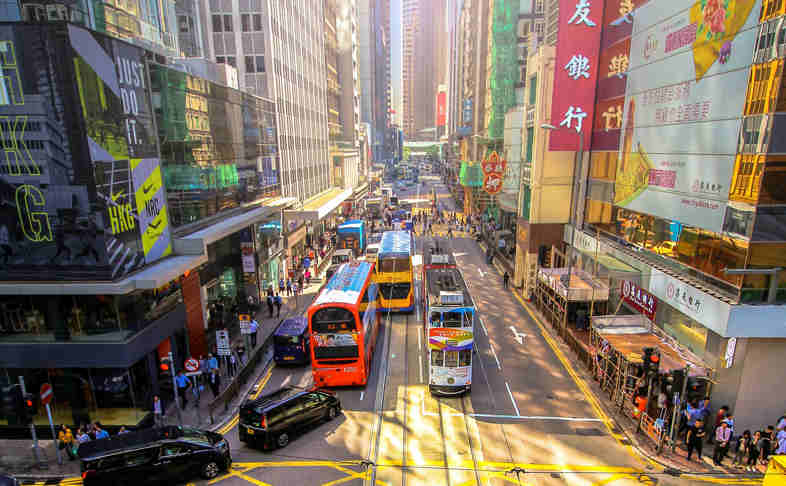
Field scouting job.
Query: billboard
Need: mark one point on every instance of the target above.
(85, 197)
(575, 73)
(442, 103)
(686, 89)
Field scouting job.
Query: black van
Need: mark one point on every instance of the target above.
(153, 455)
(271, 420)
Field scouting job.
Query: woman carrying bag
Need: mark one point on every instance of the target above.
(65, 440)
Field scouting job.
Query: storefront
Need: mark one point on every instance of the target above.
(271, 254)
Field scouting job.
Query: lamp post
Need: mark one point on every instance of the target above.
(574, 196)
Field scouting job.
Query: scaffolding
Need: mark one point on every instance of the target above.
(504, 73)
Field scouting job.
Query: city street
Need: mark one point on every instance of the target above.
(527, 409)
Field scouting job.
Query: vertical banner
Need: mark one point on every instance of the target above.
(442, 103)
(576, 73)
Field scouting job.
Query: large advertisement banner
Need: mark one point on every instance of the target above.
(575, 73)
(442, 112)
(686, 86)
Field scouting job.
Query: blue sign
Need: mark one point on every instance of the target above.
(306, 262)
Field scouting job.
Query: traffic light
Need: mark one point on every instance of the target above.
(29, 410)
(696, 389)
(674, 382)
(12, 404)
(651, 361)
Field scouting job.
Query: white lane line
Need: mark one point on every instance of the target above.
(420, 341)
(420, 367)
(362, 394)
(483, 325)
(518, 414)
(535, 417)
(499, 366)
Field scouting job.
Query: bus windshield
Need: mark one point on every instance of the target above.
(396, 264)
(335, 334)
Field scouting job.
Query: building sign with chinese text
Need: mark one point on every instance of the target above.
(493, 172)
(639, 299)
(576, 72)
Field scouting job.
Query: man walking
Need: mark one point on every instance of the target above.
(183, 384)
(270, 305)
(722, 437)
(281, 286)
(277, 302)
(215, 382)
(505, 279)
(289, 287)
(255, 328)
(158, 411)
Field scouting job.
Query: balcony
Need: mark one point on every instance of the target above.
(530, 120)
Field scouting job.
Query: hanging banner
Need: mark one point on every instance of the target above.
(576, 72)
(493, 173)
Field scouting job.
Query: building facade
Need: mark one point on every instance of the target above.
(137, 195)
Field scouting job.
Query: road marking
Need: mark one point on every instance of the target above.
(512, 399)
(260, 386)
(420, 341)
(362, 394)
(519, 336)
(481, 273)
(494, 353)
(420, 367)
(482, 325)
(535, 417)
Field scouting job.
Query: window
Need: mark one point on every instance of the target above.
(257, 22)
(437, 358)
(245, 22)
(530, 141)
(227, 23)
(452, 319)
(232, 61)
(538, 6)
(220, 60)
(533, 89)
(260, 64)
(465, 357)
(451, 359)
(249, 64)
(217, 26)
(173, 450)
(140, 457)
(182, 23)
(539, 28)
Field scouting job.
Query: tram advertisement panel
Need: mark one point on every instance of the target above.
(447, 339)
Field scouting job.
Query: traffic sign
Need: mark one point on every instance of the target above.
(191, 365)
(46, 394)
(222, 343)
(245, 323)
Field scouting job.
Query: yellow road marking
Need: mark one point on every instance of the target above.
(236, 418)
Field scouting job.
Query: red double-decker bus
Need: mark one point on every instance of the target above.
(343, 324)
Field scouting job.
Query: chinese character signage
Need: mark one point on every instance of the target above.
(576, 73)
(639, 299)
(442, 113)
(686, 86)
(493, 172)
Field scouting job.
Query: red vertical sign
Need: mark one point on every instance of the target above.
(576, 73)
(442, 101)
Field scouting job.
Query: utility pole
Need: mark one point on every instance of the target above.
(174, 389)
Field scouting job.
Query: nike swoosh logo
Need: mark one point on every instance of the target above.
(155, 225)
(147, 189)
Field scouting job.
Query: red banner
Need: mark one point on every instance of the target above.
(576, 73)
(639, 299)
(442, 112)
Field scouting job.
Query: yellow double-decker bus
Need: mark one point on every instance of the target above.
(395, 273)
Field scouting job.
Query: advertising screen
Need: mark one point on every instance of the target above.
(686, 86)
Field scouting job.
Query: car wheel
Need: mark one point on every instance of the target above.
(282, 440)
(210, 470)
(332, 412)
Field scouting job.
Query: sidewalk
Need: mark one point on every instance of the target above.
(642, 444)
(16, 456)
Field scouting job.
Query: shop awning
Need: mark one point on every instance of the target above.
(234, 224)
(361, 191)
(609, 262)
(582, 287)
(319, 206)
(271, 228)
(629, 334)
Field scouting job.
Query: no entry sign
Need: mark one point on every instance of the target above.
(46, 393)
(191, 365)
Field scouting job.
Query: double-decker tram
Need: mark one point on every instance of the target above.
(395, 273)
(343, 324)
(448, 321)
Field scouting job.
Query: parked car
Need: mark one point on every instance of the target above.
(273, 419)
(153, 455)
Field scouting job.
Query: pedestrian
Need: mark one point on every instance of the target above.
(158, 412)
(781, 440)
(255, 327)
(289, 287)
(695, 439)
(212, 363)
(241, 354)
(730, 421)
(101, 433)
(183, 384)
(215, 382)
(300, 282)
(767, 439)
(81, 436)
(66, 440)
(232, 365)
(719, 416)
(505, 279)
(122, 430)
(754, 450)
(281, 286)
(308, 276)
(270, 305)
(722, 437)
(278, 302)
(741, 449)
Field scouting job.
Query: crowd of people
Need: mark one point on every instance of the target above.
(69, 442)
(748, 449)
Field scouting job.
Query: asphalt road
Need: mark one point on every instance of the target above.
(527, 409)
